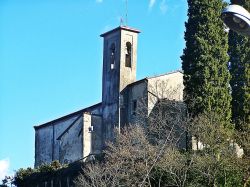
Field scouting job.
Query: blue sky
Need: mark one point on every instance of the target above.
(51, 60)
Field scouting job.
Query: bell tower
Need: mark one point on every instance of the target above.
(119, 70)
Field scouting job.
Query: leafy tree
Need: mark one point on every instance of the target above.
(216, 162)
(205, 58)
(131, 160)
(239, 52)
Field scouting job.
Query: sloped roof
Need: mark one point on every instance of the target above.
(68, 115)
(169, 73)
(121, 28)
(155, 76)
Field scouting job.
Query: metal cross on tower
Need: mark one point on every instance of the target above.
(123, 21)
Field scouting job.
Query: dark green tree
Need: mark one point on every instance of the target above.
(205, 60)
(239, 52)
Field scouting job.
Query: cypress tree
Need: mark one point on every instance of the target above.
(239, 52)
(205, 60)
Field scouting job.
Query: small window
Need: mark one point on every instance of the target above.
(128, 55)
(134, 107)
(112, 56)
(91, 129)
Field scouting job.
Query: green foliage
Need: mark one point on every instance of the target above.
(22, 174)
(239, 52)
(243, 138)
(205, 58)
(54, 166)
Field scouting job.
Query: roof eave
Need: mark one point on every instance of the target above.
(120, 28)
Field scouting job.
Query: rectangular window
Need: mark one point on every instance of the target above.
(134, 107)
(128, 55)
(112, 56)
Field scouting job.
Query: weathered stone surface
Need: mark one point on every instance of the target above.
(120, 46)
(63, 140)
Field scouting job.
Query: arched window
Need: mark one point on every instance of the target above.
(128, 54)
(112, 56)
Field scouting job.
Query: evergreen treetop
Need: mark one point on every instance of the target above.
(205, 58)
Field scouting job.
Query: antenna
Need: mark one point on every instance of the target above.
(121, 21)
(126, 20)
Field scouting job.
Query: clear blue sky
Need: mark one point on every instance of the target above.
(51, 59)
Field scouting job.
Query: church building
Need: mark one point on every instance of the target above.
(84, 133)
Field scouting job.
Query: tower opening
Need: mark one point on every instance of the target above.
(128, 55)
(112, 56)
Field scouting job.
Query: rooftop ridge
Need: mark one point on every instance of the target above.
(121, 28)
(155, 76)
(168, 73)
(66, 116)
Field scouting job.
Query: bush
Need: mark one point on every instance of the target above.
(22, 174)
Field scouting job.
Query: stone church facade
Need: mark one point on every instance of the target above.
(83, 133)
